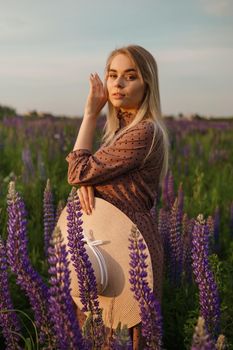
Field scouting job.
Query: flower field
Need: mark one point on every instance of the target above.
(195, 217)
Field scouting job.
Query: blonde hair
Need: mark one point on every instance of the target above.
(150, 107)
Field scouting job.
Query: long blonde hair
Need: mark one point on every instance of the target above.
(150, 107)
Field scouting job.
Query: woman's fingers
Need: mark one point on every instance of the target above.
(92, 83)
(101, 87)
(82, 201)
(91, 196)
(97, 84)
(86, 197)
(97, 97)
(86, 200)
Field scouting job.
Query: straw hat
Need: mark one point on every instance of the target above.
(110, 261)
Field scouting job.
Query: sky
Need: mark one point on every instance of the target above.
(48, 49)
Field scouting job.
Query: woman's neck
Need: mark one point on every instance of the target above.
(125, 117)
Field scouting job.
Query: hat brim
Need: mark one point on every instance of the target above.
(111, 225)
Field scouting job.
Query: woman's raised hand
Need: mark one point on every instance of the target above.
(97, 97)
(87, 198)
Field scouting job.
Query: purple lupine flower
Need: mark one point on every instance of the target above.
(168, 196)
(216, 229)
(65, 323)
(150, 311)
(26, 277)
(9, 321)
(83, 267)
(175, 239)
(208, 292)
(49, 219)
(163, 228)
(187, 227)
(201, 338)
(121, 339)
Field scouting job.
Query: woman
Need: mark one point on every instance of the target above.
(133, 159)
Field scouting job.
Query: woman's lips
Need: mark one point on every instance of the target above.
(118, 96)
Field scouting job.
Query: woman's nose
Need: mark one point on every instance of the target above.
(119, 82)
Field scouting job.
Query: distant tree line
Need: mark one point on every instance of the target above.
(6, 111)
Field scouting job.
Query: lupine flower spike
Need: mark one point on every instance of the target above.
(163, 227)
(9, 321)
(175, 243)
(121, 339)
(208, 292)
(150, 311)
(85, 273)
(26, 277)
(201, 338)
(49, 220)
(65, 323)
(187, 246)
(168, 195)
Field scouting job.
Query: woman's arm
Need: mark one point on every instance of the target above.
(124, 155)
(86, 133)
(95, 102)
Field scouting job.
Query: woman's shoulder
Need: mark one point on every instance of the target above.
(145, 127)
(144, 124)
(142, 131)
(148, 129)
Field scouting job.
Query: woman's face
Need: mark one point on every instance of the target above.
(124, 84)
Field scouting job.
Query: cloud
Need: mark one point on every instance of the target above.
(218, 7)
(180, 55)
(56, 67)
(211, 62)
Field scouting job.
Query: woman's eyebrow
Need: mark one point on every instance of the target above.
(126, 71)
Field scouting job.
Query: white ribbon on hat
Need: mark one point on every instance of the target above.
(100, 259)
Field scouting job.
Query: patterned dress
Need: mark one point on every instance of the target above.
(118, 176)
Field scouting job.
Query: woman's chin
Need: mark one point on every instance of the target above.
(119, 104)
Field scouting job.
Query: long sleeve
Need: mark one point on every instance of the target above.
(124, 155)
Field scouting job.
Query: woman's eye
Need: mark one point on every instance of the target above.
(126, 77)
(130, 77)
(112, 76)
